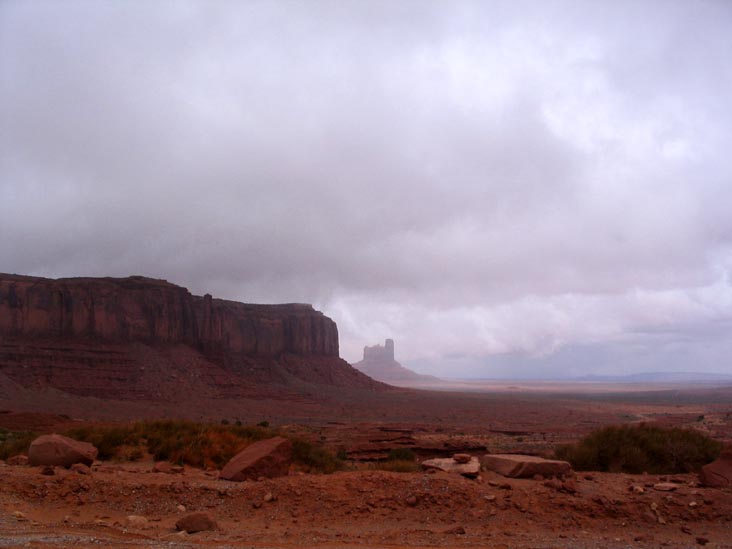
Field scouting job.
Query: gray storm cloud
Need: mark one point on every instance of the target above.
(474, 179)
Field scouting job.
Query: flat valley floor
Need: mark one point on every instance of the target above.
(365, 507)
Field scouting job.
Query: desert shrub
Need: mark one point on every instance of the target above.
(639, 448)
(315, 459)
(196, 444)
(398, 465)
(401, 454)
(107, 439)
(13, 443)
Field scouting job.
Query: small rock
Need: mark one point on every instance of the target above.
(462, 458)
(181, 508)
(589, 477)
(196, 522)
(136, 521)
(47, 470)
(490, 497)
(693, 504)
(665, 486)
(569, 486)
(637, 489)
(19, 516)
(269, 497)
(471, 469)
(505, 486)
(411, 500)
(459, 530)
(686, 530)
(256, 504)
(17, 460)
(81, 468)
(702, 541)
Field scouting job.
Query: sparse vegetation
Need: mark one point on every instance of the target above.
(13, 443)
(315, 458)
(641, 448)
(399, 460)
(401, 454)
(182, 442)
(397, 466)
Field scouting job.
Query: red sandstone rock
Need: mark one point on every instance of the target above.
(196, 522)
(266, 458)
(449, 465)
(718, 474)
(17, 460)
(60, 450)
(520, 466)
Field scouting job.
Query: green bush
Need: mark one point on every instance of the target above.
(641, 448)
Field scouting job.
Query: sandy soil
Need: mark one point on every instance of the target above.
(356, 509)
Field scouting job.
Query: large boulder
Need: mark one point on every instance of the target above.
(718, 474)
(469, 469)
(266, 458)
(60, 450)
(520, 466)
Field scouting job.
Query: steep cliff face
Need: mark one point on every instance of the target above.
(148, 310)
(140, 338)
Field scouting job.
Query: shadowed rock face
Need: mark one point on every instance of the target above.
(148, 310)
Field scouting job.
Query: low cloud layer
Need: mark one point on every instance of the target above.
(474, 179)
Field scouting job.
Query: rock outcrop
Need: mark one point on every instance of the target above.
(468, 468)
(138, 338)
(521, 466)
(718, 474)
(379, 363)
(267, 458)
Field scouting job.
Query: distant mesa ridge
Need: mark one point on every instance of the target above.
(150, 310)
(138, 338)
(379, 363)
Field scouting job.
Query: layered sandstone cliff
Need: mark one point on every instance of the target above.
(149, 310)
(134, 337)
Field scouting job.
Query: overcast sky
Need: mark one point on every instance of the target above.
(505, 188)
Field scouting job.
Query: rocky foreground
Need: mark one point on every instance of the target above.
(133, 505)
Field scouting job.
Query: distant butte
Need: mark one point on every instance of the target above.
(379, 363)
